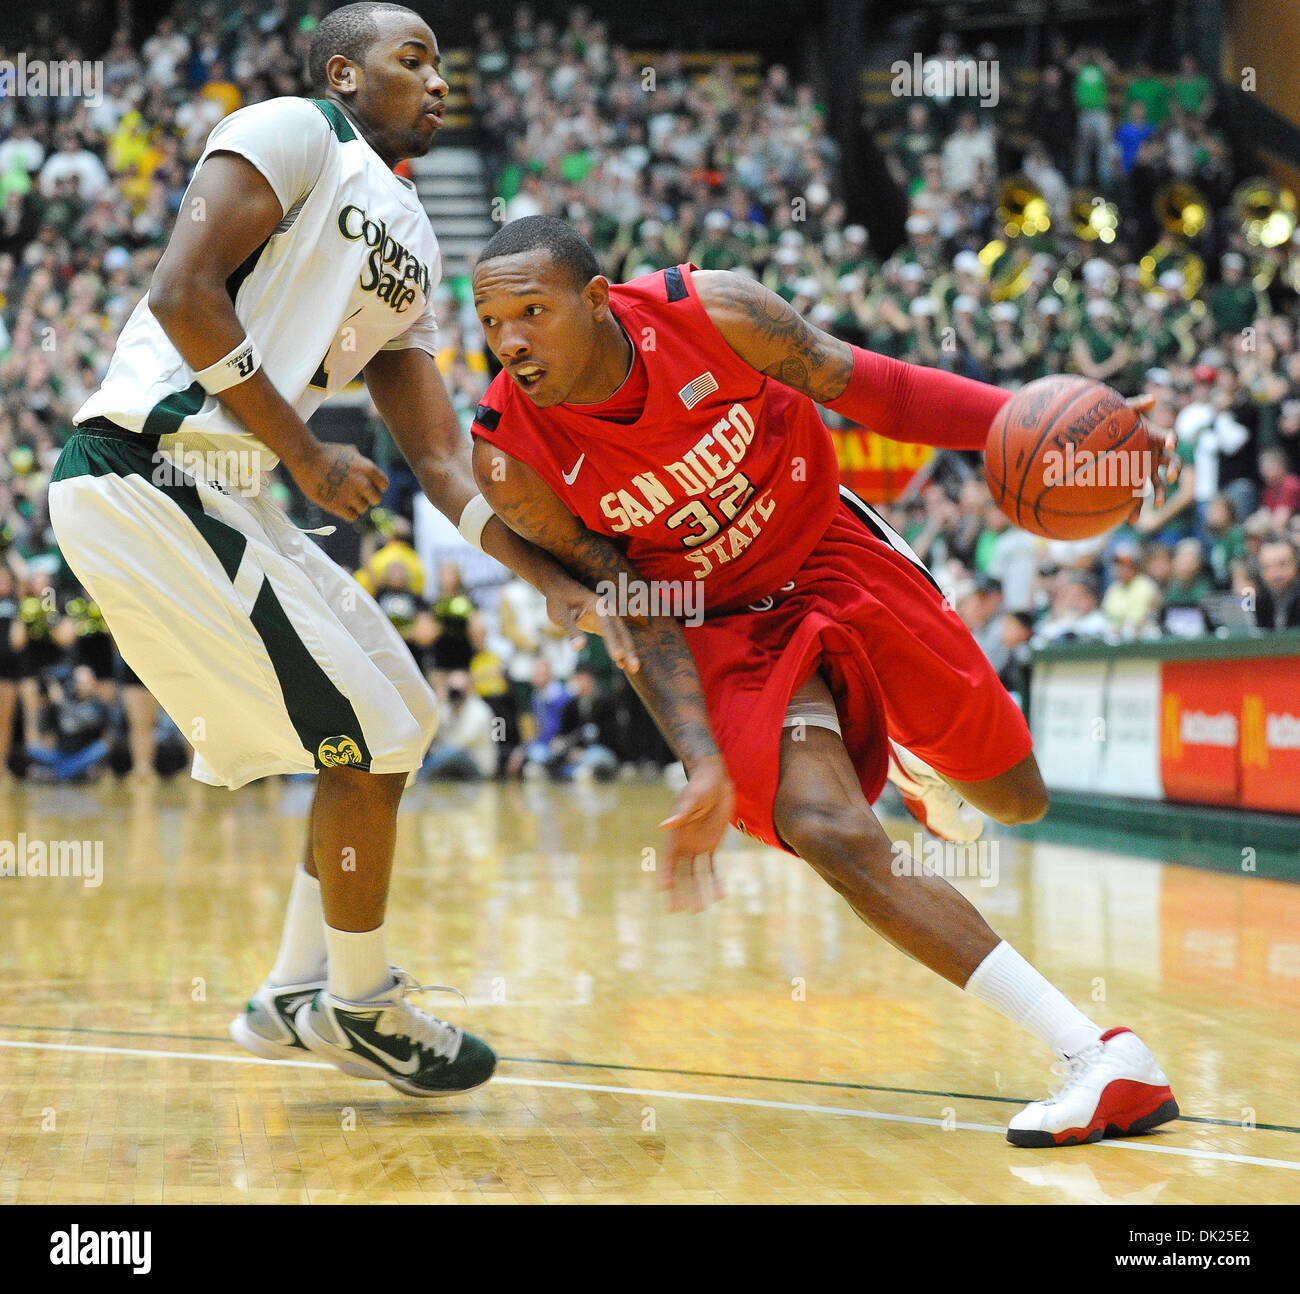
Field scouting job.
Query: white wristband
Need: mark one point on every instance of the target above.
(238, 366)
(478, 512)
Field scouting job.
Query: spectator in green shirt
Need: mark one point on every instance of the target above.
(1090, 87)
(575, 165)
(715, 251)
(1052, 338)
(649, 251)
(1100, 352)
(917, 141)
(1192, 88)
(1149, 89)
(1227, 541)
(1092, 151)
(855, 256)
(1189, 581)
(1233, 301)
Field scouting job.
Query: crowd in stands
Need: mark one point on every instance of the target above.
(656, 164)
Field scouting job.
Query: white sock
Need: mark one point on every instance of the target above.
(358, 966)
(1008, 983)
(301, 959)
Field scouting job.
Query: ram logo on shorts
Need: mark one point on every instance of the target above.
(334, 751)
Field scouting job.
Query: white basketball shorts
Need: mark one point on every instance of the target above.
(269, 656)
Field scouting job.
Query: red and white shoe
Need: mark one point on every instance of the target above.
(1112, 1089)
(930, 800)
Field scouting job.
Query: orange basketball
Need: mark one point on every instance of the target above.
(1066, 458)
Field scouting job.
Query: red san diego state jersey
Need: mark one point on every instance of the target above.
(726, 476)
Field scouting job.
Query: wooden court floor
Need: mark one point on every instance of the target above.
(771, 1049)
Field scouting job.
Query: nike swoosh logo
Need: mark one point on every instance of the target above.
(408, 1066)
(570, 477)
(290, 1004)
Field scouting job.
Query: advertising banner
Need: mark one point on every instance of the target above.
(1270, 735)
(1200, 730)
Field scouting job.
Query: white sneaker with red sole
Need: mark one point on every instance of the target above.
(930, 800)
(1112, 1089)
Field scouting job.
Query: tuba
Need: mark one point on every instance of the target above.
(1265, 211)
(1093, 218)
(1181, 210)
(1022, 209)
(1023, 213)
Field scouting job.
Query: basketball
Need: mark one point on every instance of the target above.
(1066, 458)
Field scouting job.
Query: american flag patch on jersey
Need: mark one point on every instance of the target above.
(697, 388)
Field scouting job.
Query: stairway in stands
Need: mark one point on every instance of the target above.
(453, 187)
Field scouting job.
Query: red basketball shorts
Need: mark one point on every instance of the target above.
(898, 660)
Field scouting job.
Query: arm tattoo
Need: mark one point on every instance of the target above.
(767, 333)
(667, 681)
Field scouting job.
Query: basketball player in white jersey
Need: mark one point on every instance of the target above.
(298, 260)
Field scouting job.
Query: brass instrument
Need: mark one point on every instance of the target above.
(1093, 217)
(1023, 213)
(1182, 211)
(1266, 215)
(1022, 209)
(1265, 211)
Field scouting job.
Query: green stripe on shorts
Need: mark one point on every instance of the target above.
(167, 415)
(90, 455)
(322, 716)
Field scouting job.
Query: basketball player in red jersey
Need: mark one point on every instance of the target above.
(665, 430)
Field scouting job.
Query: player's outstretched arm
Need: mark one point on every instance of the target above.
(667, 681)
(230, 210)
(411, 398)
(902, 401)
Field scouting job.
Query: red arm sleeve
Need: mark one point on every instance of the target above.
(922, 405)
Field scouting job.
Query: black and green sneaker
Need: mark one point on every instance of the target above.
(386, 1037)
(267, 1027)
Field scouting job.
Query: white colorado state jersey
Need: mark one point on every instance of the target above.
(350, 270)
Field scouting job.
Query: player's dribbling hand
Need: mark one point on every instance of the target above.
(578, 611)
(695, 828)
(340, 479)
(1163, 456)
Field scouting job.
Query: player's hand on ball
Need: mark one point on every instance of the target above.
(578, 611)
(341, 480)
(695, 828)
(1163, 455)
